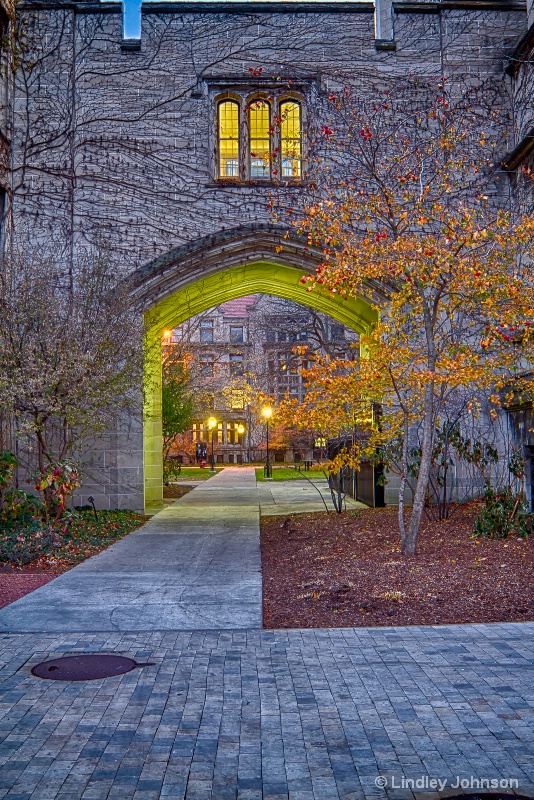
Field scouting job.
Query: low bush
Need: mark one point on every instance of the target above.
(171, 470)
(22, 545)
(68, 541)
(45, 533)
(502, 515)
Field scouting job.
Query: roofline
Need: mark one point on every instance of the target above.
(276, 6)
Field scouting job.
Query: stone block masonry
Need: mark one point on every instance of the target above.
(118, 143)
(114, 144)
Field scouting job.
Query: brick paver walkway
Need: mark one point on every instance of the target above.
(271, 715)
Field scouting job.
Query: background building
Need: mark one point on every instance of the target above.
(245, 347)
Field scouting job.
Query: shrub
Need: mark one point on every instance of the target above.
(503, 514)
(20, 545)
(57, 483)
(171, 470)
(8, 465)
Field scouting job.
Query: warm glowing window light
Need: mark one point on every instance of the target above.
(291, 145)
(260, 139)
(228, 139)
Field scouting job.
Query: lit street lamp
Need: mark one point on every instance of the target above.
(212, 424)
(267, 413)
(240, 432)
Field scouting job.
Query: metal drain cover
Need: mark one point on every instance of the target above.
(483, 796)
(85, 667)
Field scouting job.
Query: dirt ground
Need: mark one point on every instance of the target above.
(175, 491)
(345, 570)
(14, 585)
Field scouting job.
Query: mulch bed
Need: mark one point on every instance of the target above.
(15, 585)
(346, 570)
(175, 492)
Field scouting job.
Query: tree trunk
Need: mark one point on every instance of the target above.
(410, 543)
(403, 481)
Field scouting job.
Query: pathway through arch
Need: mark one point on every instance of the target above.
(194, 565)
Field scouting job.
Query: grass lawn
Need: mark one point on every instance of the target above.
(195, 474)
(290, 474)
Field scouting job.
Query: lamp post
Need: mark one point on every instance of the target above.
(267, 413)
(212, 424)
(240, 432)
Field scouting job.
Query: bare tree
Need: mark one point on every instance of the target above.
(71, 353)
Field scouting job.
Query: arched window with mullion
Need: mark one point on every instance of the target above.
(260, 139)
(228, 127)
(291, 139)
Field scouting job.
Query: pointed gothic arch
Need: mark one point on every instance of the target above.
(190, 279)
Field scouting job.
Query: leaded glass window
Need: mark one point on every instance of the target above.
(273, 138)
(290, 136)
(228, 139)
(260, 139)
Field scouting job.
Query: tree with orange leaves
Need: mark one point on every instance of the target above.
(405, 203)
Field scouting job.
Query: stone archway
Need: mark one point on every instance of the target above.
(210, 271)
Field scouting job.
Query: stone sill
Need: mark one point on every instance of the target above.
(131, 45)
(223, 184)
(385, 44)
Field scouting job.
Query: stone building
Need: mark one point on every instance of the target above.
(160, 143)
(243, 347)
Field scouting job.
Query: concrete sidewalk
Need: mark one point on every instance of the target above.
(298, 497)
(194, 565)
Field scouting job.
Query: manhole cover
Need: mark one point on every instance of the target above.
(483, 796)
(85, 667)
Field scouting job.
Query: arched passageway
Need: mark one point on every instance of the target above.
(191, 279)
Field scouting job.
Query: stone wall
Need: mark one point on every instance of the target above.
(117, 143)
(113, 140)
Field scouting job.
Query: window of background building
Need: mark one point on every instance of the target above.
(232, 436)
(236, 334)
(237, 402)
(337, 333)
(236, 364)
(206, 330)
(207, 366)
(199, 432)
